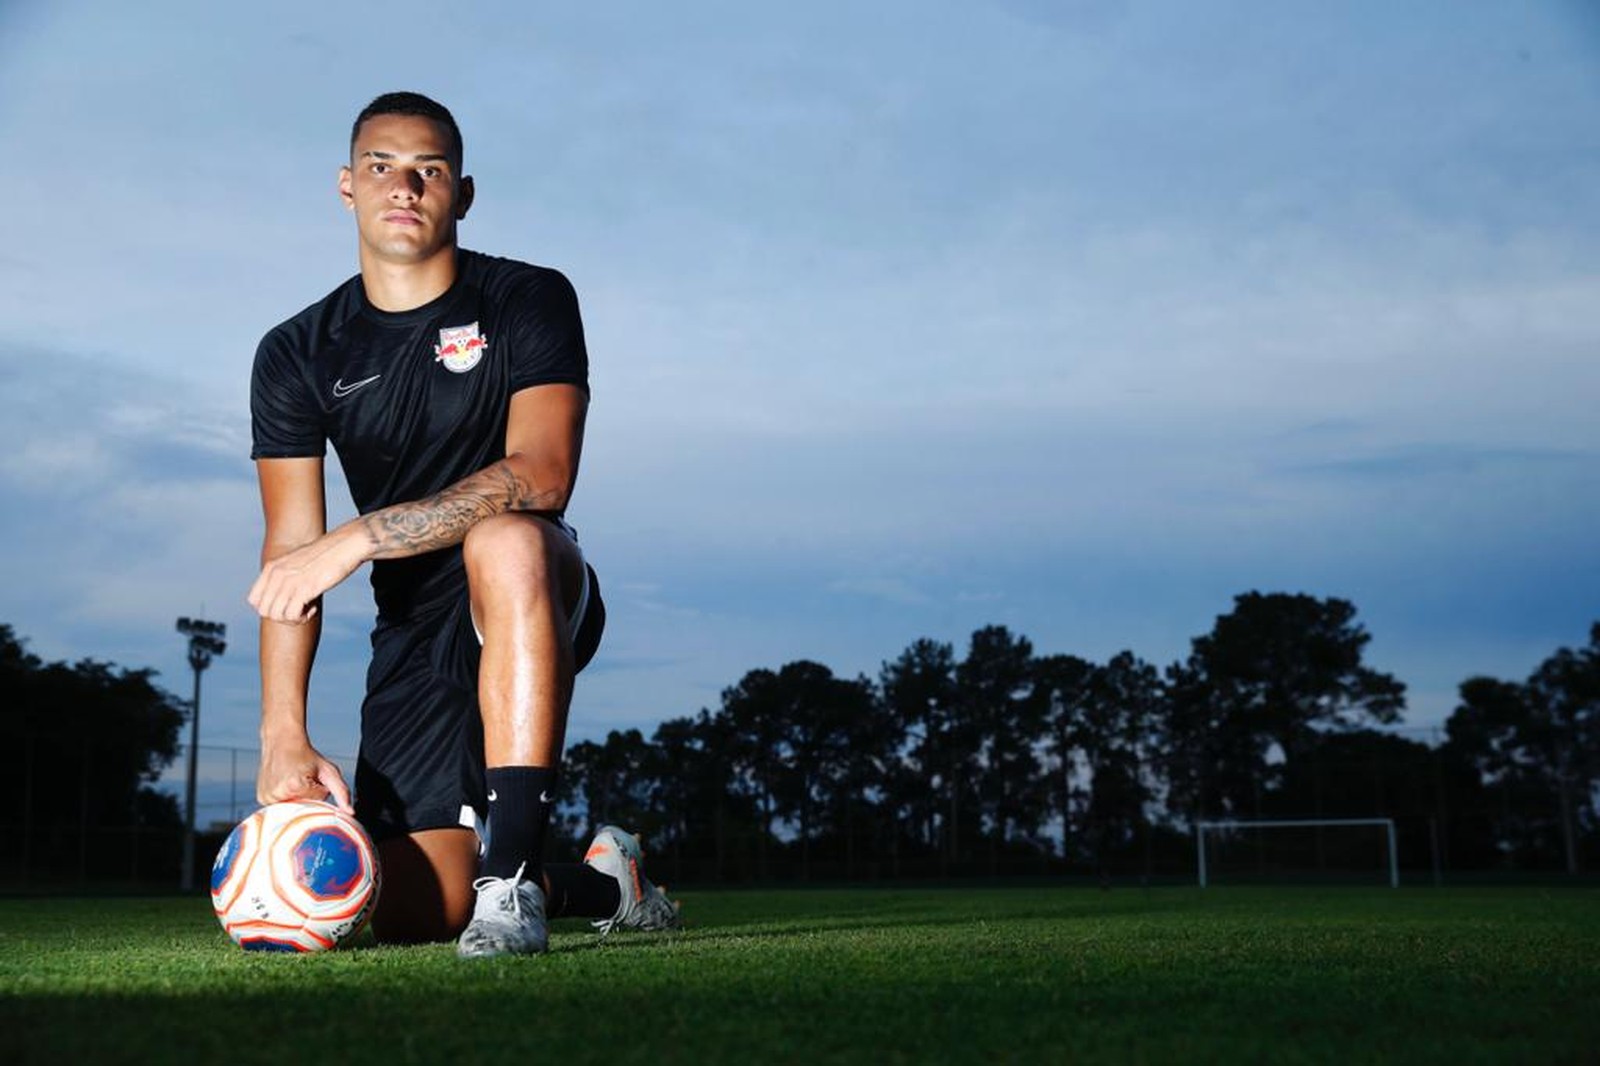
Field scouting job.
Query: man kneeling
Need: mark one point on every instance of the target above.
(454, 389)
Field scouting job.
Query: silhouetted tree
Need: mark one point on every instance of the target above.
(1273, 671)
(86, 742)
(1004, 712)
(1364, 773)
(753, 716)
(1119, 715)
(918, 691)
(819, 715)
(693, 790)
(615, 779)
(1211, 762)
(1538, 740)
(1565, 691)
(858, 805)
(1063, 681)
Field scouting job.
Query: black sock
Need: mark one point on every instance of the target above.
(578, 890)
(520, 801)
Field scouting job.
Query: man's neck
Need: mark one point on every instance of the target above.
(394, 286)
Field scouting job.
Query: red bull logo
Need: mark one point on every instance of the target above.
(460, 348)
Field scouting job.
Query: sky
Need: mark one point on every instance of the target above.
(1077, 317)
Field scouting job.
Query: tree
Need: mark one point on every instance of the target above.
(1365, 773)
(1063, 681)
(752, 717)
(918, 692)
(1118, 714)
(88, 741)
(1565, 691)
(615, 778)
(857, 803)
(820, 718)
(693, 791)
(1272, 672)
(1538, 740)
(1004, 713)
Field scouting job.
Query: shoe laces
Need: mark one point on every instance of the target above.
(509, 884)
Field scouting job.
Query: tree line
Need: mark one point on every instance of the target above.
(1006, 760)
(995, 761)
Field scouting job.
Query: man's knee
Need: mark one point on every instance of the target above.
(507, 540)
(520, 554)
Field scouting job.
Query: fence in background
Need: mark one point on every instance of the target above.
(58, 833)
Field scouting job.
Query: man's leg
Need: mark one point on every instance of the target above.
(524, 577)
(526, 580)
(427, 891)
(420, 769)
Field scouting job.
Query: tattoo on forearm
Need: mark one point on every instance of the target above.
(444, 518)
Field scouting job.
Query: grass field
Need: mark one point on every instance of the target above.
(872, 975)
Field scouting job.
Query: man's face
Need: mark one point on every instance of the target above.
(404, 189)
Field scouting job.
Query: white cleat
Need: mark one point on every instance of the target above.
(507, 919)
(644, 906)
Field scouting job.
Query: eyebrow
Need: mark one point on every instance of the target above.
(422, 158)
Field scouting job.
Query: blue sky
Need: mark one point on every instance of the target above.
(905, 318)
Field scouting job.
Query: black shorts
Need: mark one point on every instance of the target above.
(421, 764)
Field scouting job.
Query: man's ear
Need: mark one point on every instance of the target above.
(345, 192)
(464, 197)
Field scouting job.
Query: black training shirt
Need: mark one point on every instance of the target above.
(416, 400)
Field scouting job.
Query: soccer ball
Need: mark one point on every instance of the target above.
(295, 876)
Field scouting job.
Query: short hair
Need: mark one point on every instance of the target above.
(406, 103)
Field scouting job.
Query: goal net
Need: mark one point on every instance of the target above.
(1265, 847)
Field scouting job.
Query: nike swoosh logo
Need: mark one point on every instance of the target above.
(341, 390)
(492, 796)
(545, 797)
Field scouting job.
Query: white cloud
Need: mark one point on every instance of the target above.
(893, 589)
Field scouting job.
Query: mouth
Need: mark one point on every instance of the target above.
(402, 218)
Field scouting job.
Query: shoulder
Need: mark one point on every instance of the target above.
(321, 318)
(514, 281)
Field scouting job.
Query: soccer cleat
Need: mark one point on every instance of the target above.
(507, 919)
(616, 852)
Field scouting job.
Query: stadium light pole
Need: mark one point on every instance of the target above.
(205, 641)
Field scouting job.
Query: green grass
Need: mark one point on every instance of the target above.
(1034, 975)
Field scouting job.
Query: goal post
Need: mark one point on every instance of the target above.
(1200, 829)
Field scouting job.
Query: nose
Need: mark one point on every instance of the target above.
(408, 188)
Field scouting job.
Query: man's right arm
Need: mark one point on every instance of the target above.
(293, 504)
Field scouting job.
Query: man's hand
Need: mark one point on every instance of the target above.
(290, 585)
(298, 771)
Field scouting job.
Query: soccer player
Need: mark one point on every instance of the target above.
(453, 386)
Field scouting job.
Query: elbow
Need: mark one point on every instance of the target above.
(538, 487)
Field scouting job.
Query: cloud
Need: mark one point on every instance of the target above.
(1463, 459)
(895, 590)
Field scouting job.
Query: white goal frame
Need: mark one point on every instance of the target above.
(1282, 823)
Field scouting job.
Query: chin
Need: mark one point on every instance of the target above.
(404, 251)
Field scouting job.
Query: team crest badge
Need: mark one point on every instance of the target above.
(460, 348)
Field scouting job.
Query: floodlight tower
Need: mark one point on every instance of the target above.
(205, 640)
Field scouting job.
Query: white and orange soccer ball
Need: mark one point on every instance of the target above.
(295, 876)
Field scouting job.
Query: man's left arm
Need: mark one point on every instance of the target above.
(544, 440)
